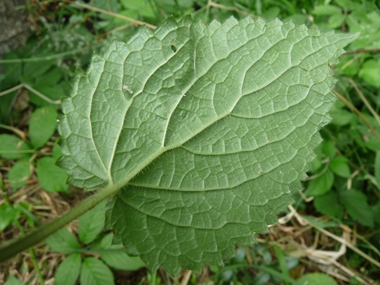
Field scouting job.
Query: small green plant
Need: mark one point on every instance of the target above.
(78, 263)
(42, 125)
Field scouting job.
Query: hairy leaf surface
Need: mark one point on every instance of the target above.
(208, 129)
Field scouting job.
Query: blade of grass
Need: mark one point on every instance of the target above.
(357, 112)
(281, 261)
(364, 100)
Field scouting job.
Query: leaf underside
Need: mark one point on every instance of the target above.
(209, 129)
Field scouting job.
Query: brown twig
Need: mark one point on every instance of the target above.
(344, 21)
(186, 277)
(212, 4)
(357, 112)
(114, 30)
(364, 100)
(113, 14)
(30, 89)
(362, 50)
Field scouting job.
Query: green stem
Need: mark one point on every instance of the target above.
(45, 58)
(207, 10)
(42, 233)
(35, 264)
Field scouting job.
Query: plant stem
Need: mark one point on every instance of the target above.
(44, 58)
(42, 233)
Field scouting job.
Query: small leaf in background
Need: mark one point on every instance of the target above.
(339, 165)
(316, 279)
(357, 206)
(261, 278)
(142, 7)
(95, 272)
(377, 168)
(336, 21)
(52, 77)
(298, 19)
(117, 259)
(91, 223)
(34, 69)
(68, 271)
(329, 149)
(42, 125)
(57, 152)
(341, 117)
(51, 177)
(12, 147)
(376, 212)
(271, 13)
(372, 143)
(321, 184)
(347, 4)
(328, 204)
(326, 10)
(19, 174)
(7, 215)
(14, 281)
(63, 241)
(370, 72)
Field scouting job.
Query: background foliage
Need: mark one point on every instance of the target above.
(342, 191)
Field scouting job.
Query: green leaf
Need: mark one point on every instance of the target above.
(12, 147)
(316, 279)
(142, 7)
(321, 184)
(339, 165)
(42, 125)
(329, 149)
(68, 271)
(19, 174)
(63, 241)
(51, 177)
(347, 4)
(14, 281)
(326, 10)
(376, 212)
(281, 260)
(117, 259)
(321, 224)
(208, 139)
(357, 206)
(36, 68)
(377, 168)
(328, 204)
(370, 72)
(57, 153)
(341, 117)
(95, 272)
(91, 224)
(336, 21)
(7, 216)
